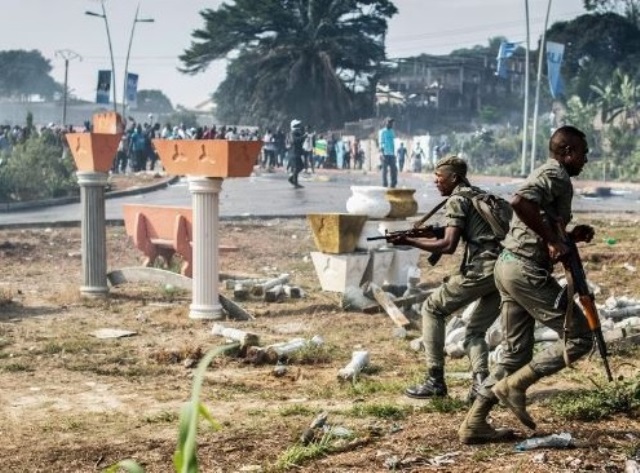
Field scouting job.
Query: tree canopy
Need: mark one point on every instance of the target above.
(307, 59)
(25, 73)
(628, 8)
(596, 45)
(154, 101)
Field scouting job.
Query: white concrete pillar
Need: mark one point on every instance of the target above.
(94, 244)
(205, 198)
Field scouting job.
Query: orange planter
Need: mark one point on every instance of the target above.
(107, 122)
(93, 151)
(208, 158)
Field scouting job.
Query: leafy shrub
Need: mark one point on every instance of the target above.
(600, 403)
(37, 169)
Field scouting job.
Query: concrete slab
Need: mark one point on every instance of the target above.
(337, 272)
(405, 257)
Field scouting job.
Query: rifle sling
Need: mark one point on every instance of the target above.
(568, 316)
(430, 214)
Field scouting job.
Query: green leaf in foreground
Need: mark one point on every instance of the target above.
(185, 458)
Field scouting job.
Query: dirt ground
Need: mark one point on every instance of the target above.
(71, 402)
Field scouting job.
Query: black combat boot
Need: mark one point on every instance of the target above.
(433, 386)
(477, 380)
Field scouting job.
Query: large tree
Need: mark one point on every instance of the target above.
(595, 46)
(154, 101)
(629, 8)
(292, 58)
(24, 73)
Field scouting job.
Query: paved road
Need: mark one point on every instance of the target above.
(270, 195)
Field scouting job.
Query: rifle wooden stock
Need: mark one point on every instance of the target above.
(573, 264)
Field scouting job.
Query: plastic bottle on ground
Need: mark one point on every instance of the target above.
(562, 440)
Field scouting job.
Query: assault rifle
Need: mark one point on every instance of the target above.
(419, 230)
(575, 272)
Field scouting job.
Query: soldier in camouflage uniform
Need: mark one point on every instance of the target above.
(473, 282)
(529, 292)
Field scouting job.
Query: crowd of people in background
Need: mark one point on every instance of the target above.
(135, 151)
(10, 136)
(319, 150)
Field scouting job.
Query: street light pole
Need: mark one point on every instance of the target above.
(541, 51)
(113, 67)
(126, 62)
(525, 125)
(67, 55)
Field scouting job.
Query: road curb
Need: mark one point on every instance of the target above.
(38, 204)
(120, 222)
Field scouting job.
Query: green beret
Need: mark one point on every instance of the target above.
(453, 164)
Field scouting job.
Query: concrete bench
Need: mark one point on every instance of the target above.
(163, 231)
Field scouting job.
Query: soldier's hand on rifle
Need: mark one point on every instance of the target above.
(400, 239)
(423, 232)
(557, 249)
(583, 233)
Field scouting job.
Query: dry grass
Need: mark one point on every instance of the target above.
(72, 402)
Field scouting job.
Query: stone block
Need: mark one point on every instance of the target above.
(337, 272)
(370, 229)
(379, 265)
(336, 232)
(405, 257)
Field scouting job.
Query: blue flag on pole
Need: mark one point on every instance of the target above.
(132, 90)
(555, 52)
(104, 86)
(505, 52)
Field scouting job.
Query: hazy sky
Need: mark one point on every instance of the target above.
(421, 26)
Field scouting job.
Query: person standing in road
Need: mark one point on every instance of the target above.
(138, 147)
(297, 150)
(307, 150)
(122, 156)
(474, 281)
(530, 293)
(386, 145)
(402, 156)
(357, 153)
(417, 156)
(281, 147)
(269, 150)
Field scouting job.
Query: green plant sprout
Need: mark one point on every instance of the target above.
(185, 458)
